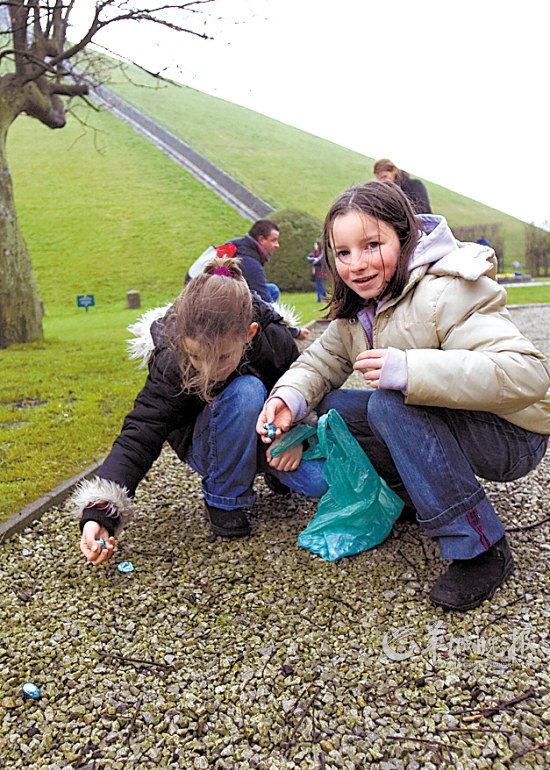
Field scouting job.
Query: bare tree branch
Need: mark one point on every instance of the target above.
(40, 47)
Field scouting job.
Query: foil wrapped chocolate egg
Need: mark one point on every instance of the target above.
(31, 690)
(270, 429)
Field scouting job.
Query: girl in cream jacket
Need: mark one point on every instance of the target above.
(456, 392)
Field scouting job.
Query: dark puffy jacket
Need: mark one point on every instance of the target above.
(416, 192)
(163, 412)
(252, 260)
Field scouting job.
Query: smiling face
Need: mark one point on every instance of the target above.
(366, 253)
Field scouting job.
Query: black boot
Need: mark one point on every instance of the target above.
(227, 523)
(469, 582)
(275, 485)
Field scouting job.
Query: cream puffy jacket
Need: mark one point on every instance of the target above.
(463, 350)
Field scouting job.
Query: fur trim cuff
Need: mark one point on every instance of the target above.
(98, 490)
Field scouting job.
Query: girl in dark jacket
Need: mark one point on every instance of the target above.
(217, 353)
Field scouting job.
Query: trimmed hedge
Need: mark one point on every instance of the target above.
(289, 268)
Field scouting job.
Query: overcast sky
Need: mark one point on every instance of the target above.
(454, 92)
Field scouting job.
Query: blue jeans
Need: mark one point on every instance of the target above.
(227, 452)
(431, 456)
(274, 290)
(320, 289)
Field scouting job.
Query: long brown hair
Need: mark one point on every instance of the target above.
(387, 203)
(214, 306)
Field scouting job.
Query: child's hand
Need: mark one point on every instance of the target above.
(288, 460)
(89, 546)
(275, 411)
(370, 364)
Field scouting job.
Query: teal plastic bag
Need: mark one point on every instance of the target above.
(359, 509)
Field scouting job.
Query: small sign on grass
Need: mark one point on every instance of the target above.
(85, 300)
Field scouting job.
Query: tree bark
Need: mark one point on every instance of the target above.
(20, 310)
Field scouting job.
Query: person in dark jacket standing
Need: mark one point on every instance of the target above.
(215, 354)
(386, 171)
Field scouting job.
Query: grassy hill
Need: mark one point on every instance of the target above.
(290, 168)
(103, 211)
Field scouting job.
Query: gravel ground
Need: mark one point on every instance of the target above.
(257, 654)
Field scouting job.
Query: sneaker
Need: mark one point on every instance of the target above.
(275, 485)
(469, 582)
(227, 523)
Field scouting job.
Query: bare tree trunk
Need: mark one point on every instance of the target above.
(20, 311)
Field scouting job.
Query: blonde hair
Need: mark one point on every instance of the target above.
(213, 306)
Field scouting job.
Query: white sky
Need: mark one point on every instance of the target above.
(455, 92)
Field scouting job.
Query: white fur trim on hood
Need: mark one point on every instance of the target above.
(98, 490)
(141, 347)
(289, 314)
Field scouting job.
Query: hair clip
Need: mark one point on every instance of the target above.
(222, 270)
(226, 250)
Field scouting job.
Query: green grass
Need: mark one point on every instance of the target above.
(61, 402)
(107, 220)
(528, 294)
(305, 305)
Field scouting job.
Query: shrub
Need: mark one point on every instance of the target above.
(491, 232)
(289, 268)
(537, 250)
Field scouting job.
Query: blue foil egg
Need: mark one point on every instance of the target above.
(31, 690)
(270, 429)
(125, 566)
(102, 543)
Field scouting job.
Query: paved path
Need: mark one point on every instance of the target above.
(247, 203)
(534, 322)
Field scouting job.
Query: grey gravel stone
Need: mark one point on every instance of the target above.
(257, 654)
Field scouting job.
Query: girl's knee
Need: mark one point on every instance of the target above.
(350, 404)
(384, 407)
(246, 393)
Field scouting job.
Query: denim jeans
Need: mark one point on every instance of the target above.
(274, 291)
(320, 289)
(227, 452)
(431, 456)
